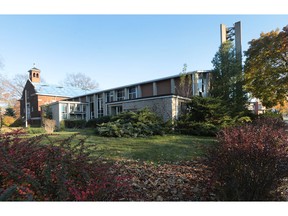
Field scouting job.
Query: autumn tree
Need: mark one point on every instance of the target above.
(266, 67)
(227, 79)
(80, 80)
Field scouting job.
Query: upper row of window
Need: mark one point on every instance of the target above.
(119, 95)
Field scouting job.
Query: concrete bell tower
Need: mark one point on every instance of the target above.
(232, 34)
(34, 74)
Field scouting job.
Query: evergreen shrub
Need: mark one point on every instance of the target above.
(132, 124)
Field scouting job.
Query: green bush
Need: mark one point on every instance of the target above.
(74, 123)
(132, 124)
(197, 128)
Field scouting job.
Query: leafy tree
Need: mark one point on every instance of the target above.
(227, 79)
(266, 67)
(80, 80)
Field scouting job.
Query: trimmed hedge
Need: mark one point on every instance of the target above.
(93, 123)
(74, 123)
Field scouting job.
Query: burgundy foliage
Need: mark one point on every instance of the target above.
(31, 170)
(251, 161)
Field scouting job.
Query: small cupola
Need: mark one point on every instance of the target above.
(34, 74)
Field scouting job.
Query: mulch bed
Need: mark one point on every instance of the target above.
(181, 181)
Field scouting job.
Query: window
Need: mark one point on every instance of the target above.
(64, 109)
(91, 99)
(132, 92)
(100, 106)
(72, 107)
(115, 110)
(120, 95)
(201, 84)
(109, 96)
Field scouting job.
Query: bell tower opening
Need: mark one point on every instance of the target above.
(34, 74)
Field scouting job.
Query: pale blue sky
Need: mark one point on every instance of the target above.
(116, 50)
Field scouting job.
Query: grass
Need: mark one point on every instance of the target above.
(158, 149)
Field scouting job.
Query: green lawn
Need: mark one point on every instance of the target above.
(168, 148)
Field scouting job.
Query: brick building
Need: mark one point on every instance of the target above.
(36, 94)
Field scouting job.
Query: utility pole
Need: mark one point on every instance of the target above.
(26, 109)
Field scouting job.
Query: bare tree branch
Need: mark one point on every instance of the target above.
(80, 80)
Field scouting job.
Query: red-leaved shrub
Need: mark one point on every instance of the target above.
(41, 169)
(250, 161)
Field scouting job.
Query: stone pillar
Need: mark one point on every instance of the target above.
(126, 95)
(114, 95)
(87, 108)
(68, 110)
(139, 92)
(96, 106)
(104, 104)
(195, 84)
(154, 89)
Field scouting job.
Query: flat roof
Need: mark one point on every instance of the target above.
(140, 83)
